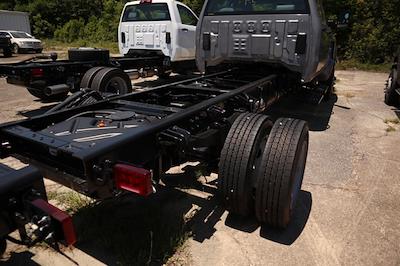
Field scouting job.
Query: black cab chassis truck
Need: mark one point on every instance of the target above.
(47, 78)
(103, 146)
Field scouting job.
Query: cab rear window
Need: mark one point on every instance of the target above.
(146, 12)
(238, 7)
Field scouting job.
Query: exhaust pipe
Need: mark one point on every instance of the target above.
(56, 89)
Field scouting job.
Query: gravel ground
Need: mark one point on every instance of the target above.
(348, 210)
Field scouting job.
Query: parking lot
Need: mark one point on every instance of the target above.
(348, 209)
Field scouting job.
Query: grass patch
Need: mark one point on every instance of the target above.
(355, 65)
(70, 201)
(391, 122)
(52, 44)
(390, 129)
(395, 121)
(51, 195)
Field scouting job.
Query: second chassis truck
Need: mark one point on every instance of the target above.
(50, 79)
(103, 146)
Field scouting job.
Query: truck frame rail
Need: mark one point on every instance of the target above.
(62, 147)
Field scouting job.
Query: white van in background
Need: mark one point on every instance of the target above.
(161, 27)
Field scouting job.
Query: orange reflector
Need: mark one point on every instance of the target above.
(133, 179)
(101, 123)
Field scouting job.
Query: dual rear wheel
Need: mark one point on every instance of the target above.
(262, 166)
(107, 80)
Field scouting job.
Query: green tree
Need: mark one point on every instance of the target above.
(71, 31)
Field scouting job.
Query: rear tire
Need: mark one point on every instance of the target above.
(87, 79)
(391, 96)
(242, 150)
(281, 172)
(112, 80)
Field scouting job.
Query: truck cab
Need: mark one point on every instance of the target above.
(289, 34)
(160, 27)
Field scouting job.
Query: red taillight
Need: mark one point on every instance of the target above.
(134, 179)
(62, 222)
(145, 1)
(37, 72)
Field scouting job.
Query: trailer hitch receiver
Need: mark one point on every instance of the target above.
(61, 222)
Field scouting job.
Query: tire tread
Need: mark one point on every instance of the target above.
(274, 177)
(234, 161)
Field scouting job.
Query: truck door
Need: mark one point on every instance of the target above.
(186, 36)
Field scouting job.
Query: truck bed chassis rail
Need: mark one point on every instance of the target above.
(68, 145)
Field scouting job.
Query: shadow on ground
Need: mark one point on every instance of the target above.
(133, 231)
(282, 236)
(19, 258)
(317, 116)
(130, 230)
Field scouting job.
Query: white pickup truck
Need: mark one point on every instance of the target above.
(159, 27)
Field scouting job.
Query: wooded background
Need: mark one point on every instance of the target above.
(373, 35)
